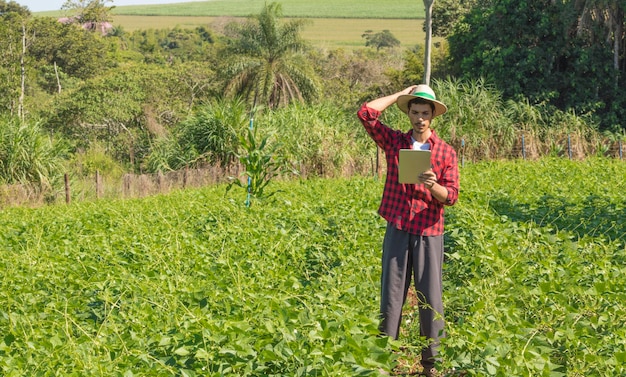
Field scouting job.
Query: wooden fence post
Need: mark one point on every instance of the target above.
(98, 184)
(68, 197)
(127, 185)
(160, 181)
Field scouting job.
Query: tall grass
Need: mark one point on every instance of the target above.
(319, 140)
(485, 126)
(27, 155)
(207, 136)
(475, 115)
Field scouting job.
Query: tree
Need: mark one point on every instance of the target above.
(11, 8)
(380, 40)
(266, 64)
(447, 14)
(13, 43)
(609, 14)
(169, 46)
(535, 50)
(90, 11)
(76, 52)
(603, 22)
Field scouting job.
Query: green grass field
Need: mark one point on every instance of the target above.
(321, 32)
(196, 284)
(333, 23)
(291, 8)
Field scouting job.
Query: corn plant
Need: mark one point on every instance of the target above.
(262, 163)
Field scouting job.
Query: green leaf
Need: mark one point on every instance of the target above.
(182, 351)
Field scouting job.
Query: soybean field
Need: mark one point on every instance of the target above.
(194, 283)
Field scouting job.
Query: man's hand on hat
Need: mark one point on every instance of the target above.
(428, 178)
(409, 90)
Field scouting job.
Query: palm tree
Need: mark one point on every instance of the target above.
(267, 64)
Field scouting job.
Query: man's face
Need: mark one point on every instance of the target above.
(420, 116)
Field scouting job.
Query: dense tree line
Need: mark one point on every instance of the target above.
(570, 54)
(159, 99)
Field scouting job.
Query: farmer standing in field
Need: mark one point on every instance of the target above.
(413, 242)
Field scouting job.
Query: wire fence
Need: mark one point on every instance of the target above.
(77, 189)
(142, 185)
(528, 149)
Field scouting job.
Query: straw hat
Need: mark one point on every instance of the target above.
(424, 92)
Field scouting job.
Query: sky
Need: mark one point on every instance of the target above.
(44, 5)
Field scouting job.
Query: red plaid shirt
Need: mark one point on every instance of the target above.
(411, 207)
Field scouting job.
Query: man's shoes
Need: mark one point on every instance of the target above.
(432, 372)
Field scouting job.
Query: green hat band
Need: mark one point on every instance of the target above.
(427, 95)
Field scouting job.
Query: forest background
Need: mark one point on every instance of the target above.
(90, 95)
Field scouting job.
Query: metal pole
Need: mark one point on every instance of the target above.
(523, 148)
(569, 146)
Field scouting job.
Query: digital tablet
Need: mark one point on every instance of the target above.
(411, 163)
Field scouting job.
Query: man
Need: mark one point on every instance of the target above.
(413, 242)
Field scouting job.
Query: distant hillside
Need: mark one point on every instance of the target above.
(324, 31)
(399, 9)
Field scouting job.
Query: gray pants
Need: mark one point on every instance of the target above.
(404, 253)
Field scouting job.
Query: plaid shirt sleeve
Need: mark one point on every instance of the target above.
(411, 207)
